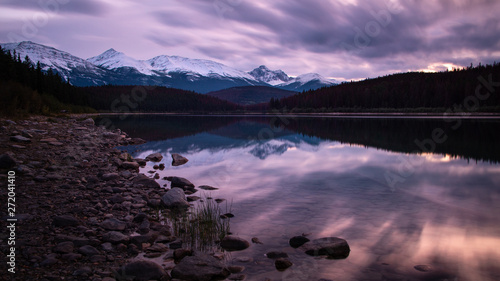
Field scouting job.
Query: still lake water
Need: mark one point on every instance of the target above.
(398, 197)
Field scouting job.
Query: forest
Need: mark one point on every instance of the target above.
(468, 89)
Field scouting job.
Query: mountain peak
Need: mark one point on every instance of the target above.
(272, 77)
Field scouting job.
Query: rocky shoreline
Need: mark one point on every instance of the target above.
(84, 212)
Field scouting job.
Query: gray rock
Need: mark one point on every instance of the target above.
(113, 224)
(71, 257)
(88, 250)
(83, 271)
(97, 258)
(178, 159)
(130, 165)
(233, 243)
(175, 198)
(110, 176)
(180, 182)
(200, 268)
(19, 138)
(65, 220)
(108, 247)
(140, 239)
(143, 270)
(115, 237)
(155, 157)
(89, 122)
(298, 241)
(7, 161)
(282, 264)
(333, 247)
(64, 247)
(158, 247)
(145, 181)
(26, 134)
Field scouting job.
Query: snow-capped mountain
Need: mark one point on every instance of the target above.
(163, 65)
(280, 79)
(271, 77)
(68, 66)
(113, 67)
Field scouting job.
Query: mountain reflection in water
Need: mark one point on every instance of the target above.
(364, 180)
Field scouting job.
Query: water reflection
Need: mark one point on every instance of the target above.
(354, 179)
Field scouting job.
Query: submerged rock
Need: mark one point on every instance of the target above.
(200, 268)
(282, 264)
(298, 241)
(332, 247)
(233, 243)
(178, 159)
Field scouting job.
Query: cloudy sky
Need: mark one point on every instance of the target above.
(343, 39)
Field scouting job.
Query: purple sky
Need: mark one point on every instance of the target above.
(344, 39)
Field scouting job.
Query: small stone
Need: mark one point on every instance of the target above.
(282, 264)
(115, 237)
(207, 187)
(130, 165)
(97, 258)
(88, 122)
(110, 176)
(64, 247)
(158, 247)
(276, 255)
(113, 224)
(65, 220)
(20, 139)
(71, 257)
(88, 250)
(83, 271)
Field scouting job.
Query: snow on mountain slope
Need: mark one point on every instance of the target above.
(306, 78)
(112, 59)
(49, 57)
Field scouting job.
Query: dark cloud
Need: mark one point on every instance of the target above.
(88, 7)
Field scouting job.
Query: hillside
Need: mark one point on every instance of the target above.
(250, 95)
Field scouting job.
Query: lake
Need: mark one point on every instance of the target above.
(415, 198)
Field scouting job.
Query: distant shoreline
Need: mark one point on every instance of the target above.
(324, 115)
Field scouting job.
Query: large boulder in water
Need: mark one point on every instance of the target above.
(155, 157)
(175, 198)
(332, 247)
(178, 159)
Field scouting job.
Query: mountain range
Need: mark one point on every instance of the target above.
(202, 76)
